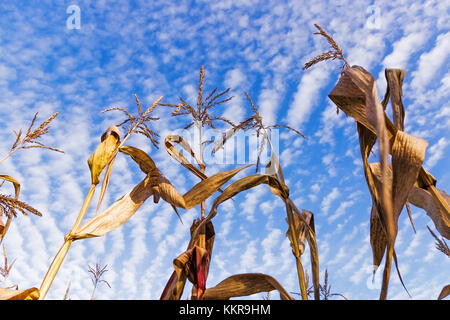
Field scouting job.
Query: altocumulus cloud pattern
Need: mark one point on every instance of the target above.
(80, 57)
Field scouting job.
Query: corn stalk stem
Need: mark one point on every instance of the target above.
(202, 242)
(54, 267)
(9, 153)
(296, 250)
(59, 258)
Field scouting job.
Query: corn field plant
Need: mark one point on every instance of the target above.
(392, 185)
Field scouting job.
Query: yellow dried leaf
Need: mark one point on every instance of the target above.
(116, 214)
(155, 182)
(28, 294)
(14, 182)
(140, 157)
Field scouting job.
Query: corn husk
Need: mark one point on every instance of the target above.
(104, 153)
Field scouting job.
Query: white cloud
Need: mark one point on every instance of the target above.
(430, 62)
(328, 199)
(306, 96)
(436, 152)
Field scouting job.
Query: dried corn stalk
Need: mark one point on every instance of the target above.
(355, 94)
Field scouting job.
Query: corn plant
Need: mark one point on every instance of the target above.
(391, 185)
(10, 206)
(96, 276)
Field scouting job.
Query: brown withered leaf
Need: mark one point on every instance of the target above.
(300, 229)
(240, 186)
(423, 199)
(205, 188)
(314, 253)
(378, 239)
(28, 294)
(245, 284)
(394, 79)
(176, 154)
(145, 162)
(445, 292)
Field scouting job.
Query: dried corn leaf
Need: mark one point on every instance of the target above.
(116, 214)
(105, 184)
(408, 154)
(351, 100)
(205, 188)
(177, 155)
(140, 157)
(273, 167)
(314, 253)
(300, 228)
(423, 199)
(445, 292)
(240, 186)
(155, 183)
(104, 153)
(28, 294)
(376, 117)
(389, 195)
(245, 284)
(163, 188)
(378, 239)
(394, 79)
(15, 183)
(224, 138)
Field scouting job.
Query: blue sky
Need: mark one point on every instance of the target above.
(153, 48)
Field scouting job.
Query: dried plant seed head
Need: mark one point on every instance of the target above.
(139, 123)
(334, 53)
(201, 113)
(30, 139)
